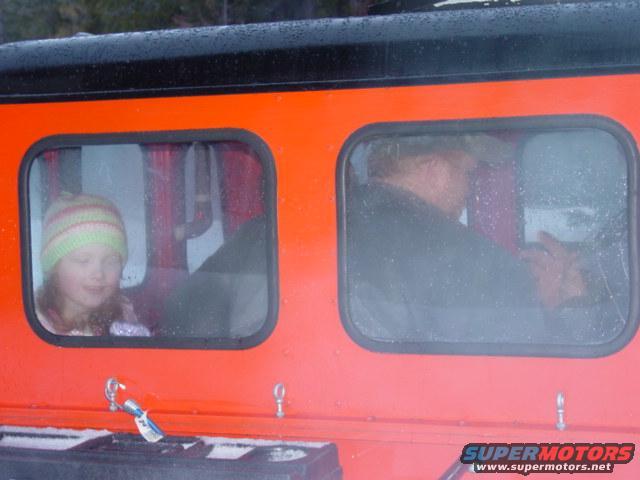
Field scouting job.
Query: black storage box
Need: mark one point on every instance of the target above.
(51, 454)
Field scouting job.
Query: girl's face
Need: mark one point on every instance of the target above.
(86, 278)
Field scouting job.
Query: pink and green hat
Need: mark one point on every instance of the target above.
(74, 221)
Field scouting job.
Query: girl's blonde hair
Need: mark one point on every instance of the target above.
(49, 302)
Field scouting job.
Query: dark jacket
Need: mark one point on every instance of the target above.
(227, 297)
(415, 275)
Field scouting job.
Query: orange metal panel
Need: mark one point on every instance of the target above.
(335, 389)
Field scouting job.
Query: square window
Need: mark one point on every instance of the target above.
(151, 240)
(491, 237)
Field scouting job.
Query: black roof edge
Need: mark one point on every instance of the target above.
(432, 47)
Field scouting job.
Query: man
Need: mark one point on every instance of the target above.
(416, 274)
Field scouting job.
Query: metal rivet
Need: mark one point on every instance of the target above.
(560, 425)
(111, 388)
(278, 394)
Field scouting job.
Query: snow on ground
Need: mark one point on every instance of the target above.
(47, 438)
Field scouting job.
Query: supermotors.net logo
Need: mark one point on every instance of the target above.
(526, 458)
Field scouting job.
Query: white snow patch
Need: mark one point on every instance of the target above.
(47, 438)
(280, 454)
(229, 452)
(50, 438)
(254, 442)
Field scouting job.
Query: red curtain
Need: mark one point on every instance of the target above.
(493, 205)
(164, 199)
(241, 183)
(51, 176)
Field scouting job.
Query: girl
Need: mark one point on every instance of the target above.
(84, 249)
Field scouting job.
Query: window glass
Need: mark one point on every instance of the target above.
(113, 171)
(154, 240)
(566, 188)
(474, 241)
(199, 247)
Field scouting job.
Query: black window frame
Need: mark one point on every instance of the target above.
(246, 137)
(532, 124)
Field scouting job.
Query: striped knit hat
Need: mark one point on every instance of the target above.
(74, 221)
